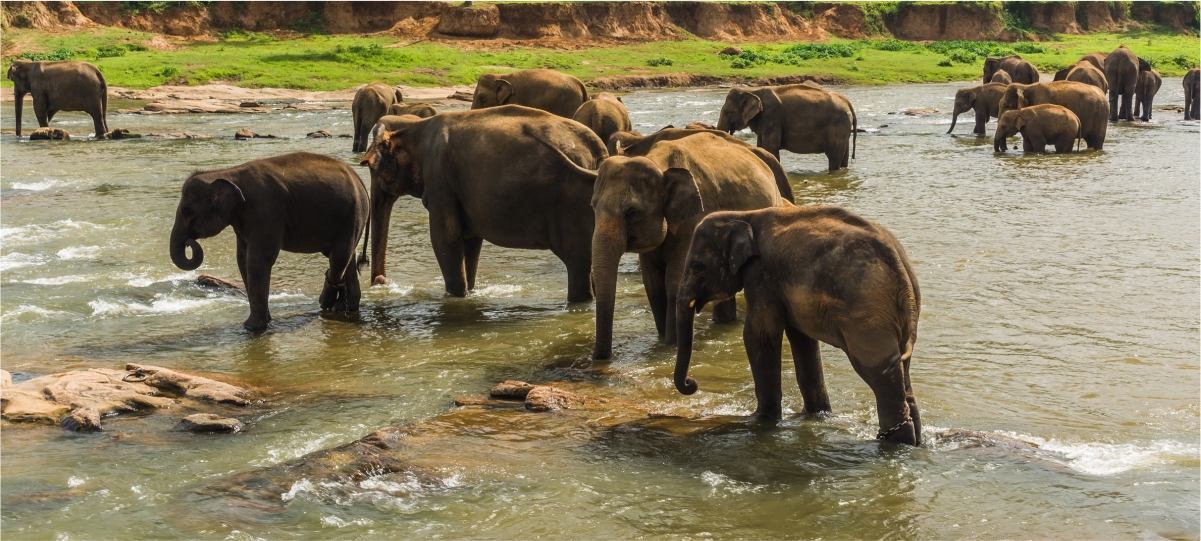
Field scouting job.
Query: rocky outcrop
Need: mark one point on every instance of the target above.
(742, 22)
(936, 22)
(44, 15)
(49, 134)
(481, 21)
(1055, 16)
(210, 423)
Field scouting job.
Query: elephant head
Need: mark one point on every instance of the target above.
(721, 247)
(395, 171)
(635, 202)
(1013, 98)
(620, 141)
(1010, 123)
(206, 207)
(1143, 65)
(965, 100)
(18, 73)
(739, 111)
(491, 91)
(1001, 76)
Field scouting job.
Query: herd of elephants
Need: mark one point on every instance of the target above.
(537, 163)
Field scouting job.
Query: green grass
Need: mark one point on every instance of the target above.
(320, 62)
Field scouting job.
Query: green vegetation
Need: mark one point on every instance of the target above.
(323, 62)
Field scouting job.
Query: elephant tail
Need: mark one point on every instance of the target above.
(854, 130)
(533, 133)
(907, 304)
(363, 259)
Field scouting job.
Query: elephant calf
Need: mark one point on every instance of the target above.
(1087, 102)
(1039, 125)
(419, 110)
(815, 274)
(604, 114)
(984, 100)
(370, 104)
(1192, 94)
(1148, 85)
(303, 203)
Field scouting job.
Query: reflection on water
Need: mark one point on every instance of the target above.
(1057, 363)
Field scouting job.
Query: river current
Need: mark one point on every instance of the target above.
(1060, 315)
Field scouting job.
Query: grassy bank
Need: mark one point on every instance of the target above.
(320, 62)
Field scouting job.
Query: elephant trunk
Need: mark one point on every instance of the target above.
(381, 219)
(685, 313)
(998, 142)
(954, 118)
(723, 124)
(180, 241)
(608, 243)
(19, 104)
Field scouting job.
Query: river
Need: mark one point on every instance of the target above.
(1060, 314)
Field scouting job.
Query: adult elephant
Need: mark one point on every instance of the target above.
(370, 104)
(1086, 101)
(813, 274)
(1121, 72)
(1087, 73)
(984, 100)
(650, 204)
(632, 144)
(420, 110)
(304, 203)
(500, 174)
(60, 86)
(796, 118)
(1192, 94)
(604, 114)
(1019, 70)
(556, 93)
(1148, 85)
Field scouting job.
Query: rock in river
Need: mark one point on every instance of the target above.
(44, 134)
(207, 422)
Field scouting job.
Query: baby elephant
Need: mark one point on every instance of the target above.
(303, 203)
(1039, 125)
(813, 274)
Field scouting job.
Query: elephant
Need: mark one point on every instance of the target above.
(1001, 76)
(60, 86)
(420, 110)
(1087, 73)
(301, 202)
(632, 144)
(557, 93)
(1039, 125)
(1087, 102)
(983, 99)
(605, 114)
(815, 274)
(497, 174)
(1192, 94)
(796, 118)
(370, 103)
(1019, 70)
(1148, 85)
(1121, 72)
(650, 204)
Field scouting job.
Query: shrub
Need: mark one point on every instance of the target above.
(809, 51)
(945, 63)
(168, 72)
(891, 45)
(661, 61)
(962, 56)
(60, 54)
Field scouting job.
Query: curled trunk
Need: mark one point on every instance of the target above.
(684, 317)
(180, 241)
(608, 243)
(381, 219)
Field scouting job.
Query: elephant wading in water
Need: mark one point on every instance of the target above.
(1001, 76)
(1087, 102)
(1192, 94)
(59, 86)
(303, 203)
(498, 174)
(420, 110)
(1020, 71)
(1039, 125)
(983, 99)
(1121, 72)
(650, 204)
(1149, 82)
(370, 104)
(796, 118)
(605, 114)
(556, 93)
(815, 274)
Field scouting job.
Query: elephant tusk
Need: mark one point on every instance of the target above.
(691, 304)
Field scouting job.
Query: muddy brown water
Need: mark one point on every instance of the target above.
(1060, 310)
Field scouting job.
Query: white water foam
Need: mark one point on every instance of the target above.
(719, 481)
(40, 232)
(28, 309)
(144, 280)
(15, 260)
(34, 186)
(79, 252)
(162, 304)
(1096, 458)
(58, 280)
(497, 291)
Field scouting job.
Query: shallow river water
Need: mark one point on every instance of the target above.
(1060, 309)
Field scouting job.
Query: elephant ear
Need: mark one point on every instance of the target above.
(741, 245)
(683, 196)
(399, 97)
(1019, 121)
(1143, 65)
(226, 196)
(504, 91)
(1022, 101)
(971, 98)
(751, 107)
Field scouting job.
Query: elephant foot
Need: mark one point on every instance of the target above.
(767, 415)
(256, 323)
(904, 432)
(379, 280)
(602, 353)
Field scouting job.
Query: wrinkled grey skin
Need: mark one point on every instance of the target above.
(1087, 102)
(814, 274)
(1192, 94)
(462, 165)
(1020, 71)
(302, 203)
(59, 86)
(604, 114)
(796, 118)
(556, 93)
(1121, 72)
(370, 104)
(420, 110)
(650, 204)
(1039, 125)
(983, 99)
(1148, 85)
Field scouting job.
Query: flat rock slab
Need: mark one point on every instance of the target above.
(6, 379)
(49, 134)
(208, 280)
(207, 422)
(514, 389)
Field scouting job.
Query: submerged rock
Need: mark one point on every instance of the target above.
(49, 134)
(319, 134)
(511, 389)
(209, 280)
(120, 133)
(207, 422)
(191, 386)
(247, 134)
(461, 96)
(85, 419)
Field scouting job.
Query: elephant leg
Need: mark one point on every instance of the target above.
(335, 294)
(260, 257)
(98, 123)
(725, 311)
(763, 336)
(1126, 107)
(653, 269)
(1063, 145)
(981, 123)
(1113, 106)
(579, 272)
(471, 255)
(50, 115)
(1138, 103)
(912, 402)
(447, 237)
(834, 155)
(42, 113)
(1147, 109)
(807, 358)
(242, 259)
(874, 357)
(1028, 144)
